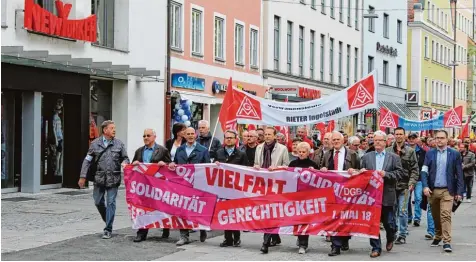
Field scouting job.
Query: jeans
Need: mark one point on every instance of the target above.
(402, 221)
(388, 219)
(468, 185)
(106, 206)
(338, 242)
(430, 229)
(410, 209)
(418, 198)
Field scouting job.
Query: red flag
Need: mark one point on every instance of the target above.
(331, 125)
(251, 127)
(322, 129)
(465, 132)
(228, 110)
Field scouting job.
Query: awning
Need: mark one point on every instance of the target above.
(200, 98)
(65, 62)
(400, 109)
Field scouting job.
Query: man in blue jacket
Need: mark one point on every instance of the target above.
(442, 180)
(190, 153)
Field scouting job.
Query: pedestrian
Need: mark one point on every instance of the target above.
(340, 158)
(205, 138)
(442, 179)
(389, 167)
(230, 154)
(178, 132)
(190, 153)
(270, 155)
(260, 132)
(250, 147)
(281, 138)
(246, 136)
(302, 133)
(406, 182)
(293, 155)
(354, 145)
(326, 146)
(303, 149)
(151, 152)
(469, 163)
(102, 165)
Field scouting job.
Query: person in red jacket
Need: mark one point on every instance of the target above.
(301, 133)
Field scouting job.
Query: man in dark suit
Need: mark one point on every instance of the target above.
(389, 166)
(340, 158)
(190, 153)
(151, 152)
(442, 180)
(232, 155)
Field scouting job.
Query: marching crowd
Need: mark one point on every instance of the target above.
(437, 171)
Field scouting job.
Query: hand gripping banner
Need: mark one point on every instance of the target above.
(230, 197)
(452, 118)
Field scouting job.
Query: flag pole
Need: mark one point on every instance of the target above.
(214, 131)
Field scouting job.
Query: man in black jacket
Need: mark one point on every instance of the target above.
(151, 152)
(205, 138)
(418, 189)
(232, 155)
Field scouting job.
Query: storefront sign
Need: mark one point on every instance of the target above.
(292, 90)
(387, 49)
(309, 93)
(301, 92)
(221, 88)
(182, 80)
(41, 20)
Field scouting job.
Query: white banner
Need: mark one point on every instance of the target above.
(259, 111)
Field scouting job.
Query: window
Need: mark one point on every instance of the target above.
(427, 93)
(356, 68)
(104, 11)
(276, 42)
(239, 41)
(356, 18)
(313, 4)
(446, 22)
(433, 91)
(433, 49)
(331, 60)
(428, 8)
(432, 13)
(426, 46)
(385, 25)
(437, 16)
(371, 63)
(312, 54)
(301, 51)
(45, 4)
(4, 13)
(385, 72)
(399, 31)
(371, 21)
(219, 38)
(176, 26)
(196, 32)
(348, 12)
(341, 11)
(399, 76)
(347, 71)
(322, 54)
(444, 57)
(441, 19)
(332, 9)
(323, 6)
(437, 51)
(339, 76)
(254, 48)
(441, 54)
(290, 46)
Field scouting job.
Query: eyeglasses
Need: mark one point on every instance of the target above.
(440, 138)
(356, 145)
(144, 136)
(230, 137)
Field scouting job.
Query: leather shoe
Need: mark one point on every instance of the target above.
(203, 235)
(139, 238)
(389, 246)
(374, 254)
(345, 247)
(165, 233)
(334, 252)
(264, 249)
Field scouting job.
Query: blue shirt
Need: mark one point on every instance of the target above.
(189, 149)
(230, 150)
(105, 141)
(379, 159)
(441, 159)
(147, 153)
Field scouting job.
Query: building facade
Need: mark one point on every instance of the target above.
(430, 56)
(313, 44)
(385, 51)
(67, 66)
(211, 42)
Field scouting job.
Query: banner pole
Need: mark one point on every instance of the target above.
(214, 131)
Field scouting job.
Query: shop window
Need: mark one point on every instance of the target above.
(100, 106)
(48, 5)
(11, 139)
(104, 10)
(192, 111)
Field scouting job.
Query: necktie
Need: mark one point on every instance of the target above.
(336, 160)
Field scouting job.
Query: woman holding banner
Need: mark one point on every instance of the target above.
(303, 161)
(270, 155)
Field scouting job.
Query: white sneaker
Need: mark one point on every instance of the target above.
(468, 200)
(302, 250)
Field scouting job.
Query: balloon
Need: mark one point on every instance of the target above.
(184, 117)
(187, 123)
(177, 106)
(178, 118)
(189, 102)
(180, 112)
(188, 113)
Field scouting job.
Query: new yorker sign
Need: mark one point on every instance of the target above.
(387, 49)
(41, 20)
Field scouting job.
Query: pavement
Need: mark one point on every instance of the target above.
(54, 226)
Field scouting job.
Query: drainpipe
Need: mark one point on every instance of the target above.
(168, 94)
(454, 57)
